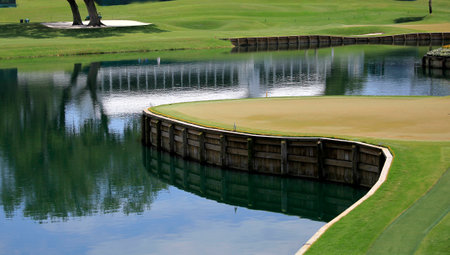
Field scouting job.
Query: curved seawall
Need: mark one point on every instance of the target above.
(318, 158)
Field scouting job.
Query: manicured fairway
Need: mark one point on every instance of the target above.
(409, 212)
(198, 24)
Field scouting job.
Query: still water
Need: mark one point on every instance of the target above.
(74, 178)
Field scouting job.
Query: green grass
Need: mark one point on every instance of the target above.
(408, 214)
(197, 24)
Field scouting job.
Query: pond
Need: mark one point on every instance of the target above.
(74, 178)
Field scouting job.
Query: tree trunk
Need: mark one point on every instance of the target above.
(429, 7)
(94, 20)
(76, 13)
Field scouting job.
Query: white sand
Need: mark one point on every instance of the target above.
(108, 23)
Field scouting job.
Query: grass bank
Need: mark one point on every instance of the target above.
(408, 214)
(197, 24)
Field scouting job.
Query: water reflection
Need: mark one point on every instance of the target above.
(70, 154)
(58, 157)
(309, 199)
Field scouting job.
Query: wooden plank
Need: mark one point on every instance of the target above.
(236, 151)
(355, 161)
(369, 168)
(370, 150)
(201, 151)
(264, 141)
(193, 143)
(339, 146)
(340, 163)
(320, 160)
(223, 151)
(250, 154)
(184, 136)
(302, 159)
(303, 143)
(178, 138)
(164, 133)
(212, 147)
(268, 155)
(171, 139)
(238, 139)
(284, 156)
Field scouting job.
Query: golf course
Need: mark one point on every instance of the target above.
(184, 40)
(189, 24)
(408, 214)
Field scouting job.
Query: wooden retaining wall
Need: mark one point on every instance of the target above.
(318, 158)
(338, 40)
(308, 199)
(438, 62)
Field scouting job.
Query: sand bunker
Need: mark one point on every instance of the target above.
(405, 118)
(108, 23)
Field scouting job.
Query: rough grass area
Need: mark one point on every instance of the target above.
(195, 24)
(409, 213)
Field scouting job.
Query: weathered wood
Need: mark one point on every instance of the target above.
(339, 163)
(267, 155)
(250, 154)
(355, 162)
(201, 151)
(212, 147)
(369, 168)
(284, 158)
(223, 151)
(323, 158)
(185, 143)
(171, 139)
(304, 159)
(320, 160)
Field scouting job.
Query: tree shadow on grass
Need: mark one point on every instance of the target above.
(408, 19)
(38, 31)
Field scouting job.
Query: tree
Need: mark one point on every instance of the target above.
(94, 19)
(76, 13)
(429, 7)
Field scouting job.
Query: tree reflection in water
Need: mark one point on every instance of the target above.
(52, 169)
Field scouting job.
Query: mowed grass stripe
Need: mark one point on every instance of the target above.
(406, 233)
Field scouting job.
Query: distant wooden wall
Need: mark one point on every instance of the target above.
(438, 62)
(318, 158)
(321, 40)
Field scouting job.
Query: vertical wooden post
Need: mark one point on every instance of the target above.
(355, 163)
(171, 139)
(184, 136)
(201, 150)
(158, 134)
(284, 157)
(381, 160)
(223, 151)
(320, 160)
(250, 154)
